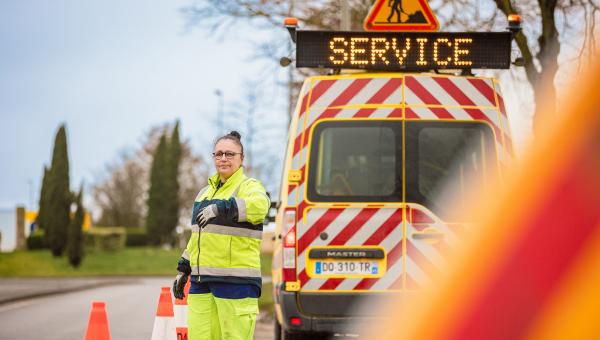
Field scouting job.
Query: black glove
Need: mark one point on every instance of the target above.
(179, 286)
(183, 266)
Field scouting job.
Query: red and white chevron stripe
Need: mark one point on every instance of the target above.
(473, 95)
(449, 91)
(503, 119)
(356, 227)
(368, 227)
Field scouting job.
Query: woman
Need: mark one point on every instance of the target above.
(223, 253)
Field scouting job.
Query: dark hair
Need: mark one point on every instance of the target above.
(233, 136)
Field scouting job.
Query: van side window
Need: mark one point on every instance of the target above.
(355, 161)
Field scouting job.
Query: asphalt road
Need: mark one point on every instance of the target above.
(131, 308)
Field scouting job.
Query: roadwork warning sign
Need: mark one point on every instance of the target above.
(401, 16)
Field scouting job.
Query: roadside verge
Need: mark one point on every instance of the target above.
(17, 289)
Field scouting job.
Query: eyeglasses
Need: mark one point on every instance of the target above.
(228, 154)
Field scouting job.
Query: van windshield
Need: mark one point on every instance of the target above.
(361, 161)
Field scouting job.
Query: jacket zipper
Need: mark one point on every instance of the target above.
(200, 235)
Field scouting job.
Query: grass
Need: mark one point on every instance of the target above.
(265, 301)
(265, 264)
(142, 261)
(127, 262)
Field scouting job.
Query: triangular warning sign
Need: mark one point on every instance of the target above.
(401, 15)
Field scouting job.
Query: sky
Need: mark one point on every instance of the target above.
(110, 70)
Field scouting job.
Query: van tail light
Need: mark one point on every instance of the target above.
(289, 246)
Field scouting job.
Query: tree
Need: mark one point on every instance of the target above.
(157, 214)
(56, 217)
(171, 195)
(540, 43)
(43, 203)
(121, 195)
(75, 235)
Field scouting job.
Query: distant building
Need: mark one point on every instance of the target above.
(31, 215)
(8, 227)
(8, 223)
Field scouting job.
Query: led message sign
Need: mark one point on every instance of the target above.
(406, 51)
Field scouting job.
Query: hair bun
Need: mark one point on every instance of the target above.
(236, 134)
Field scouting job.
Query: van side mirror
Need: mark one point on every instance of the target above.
(272, 212)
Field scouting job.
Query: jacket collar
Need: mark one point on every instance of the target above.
(236, 177)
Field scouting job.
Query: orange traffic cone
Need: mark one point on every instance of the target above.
(164, 328)
(181, 325)
(97, 328)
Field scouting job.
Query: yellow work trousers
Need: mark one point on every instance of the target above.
(213, 318)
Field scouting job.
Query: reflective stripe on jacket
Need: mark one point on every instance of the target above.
(228, 248)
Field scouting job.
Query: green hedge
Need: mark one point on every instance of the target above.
(36, 240)
(136, 237)
(105, 238)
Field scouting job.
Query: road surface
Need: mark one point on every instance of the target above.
(131, 308)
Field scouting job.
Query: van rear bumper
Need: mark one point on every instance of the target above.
(331, 312)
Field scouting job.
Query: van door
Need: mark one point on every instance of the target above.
(444, 159)
(350, 235)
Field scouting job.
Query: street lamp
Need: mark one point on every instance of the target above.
(219, 95)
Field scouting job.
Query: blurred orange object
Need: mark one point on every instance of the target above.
(97, 328)
(532, 270)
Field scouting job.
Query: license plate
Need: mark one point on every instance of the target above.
(346, 267)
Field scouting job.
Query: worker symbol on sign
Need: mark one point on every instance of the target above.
(416, 17)
(401, 15)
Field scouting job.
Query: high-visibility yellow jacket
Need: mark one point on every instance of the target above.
(227, 249)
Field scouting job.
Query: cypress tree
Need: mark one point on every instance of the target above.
(40, 221)
(56, 211)
(75, 236)
(172, 185)
(156, 219)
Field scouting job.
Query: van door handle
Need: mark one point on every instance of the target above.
(430, 234)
